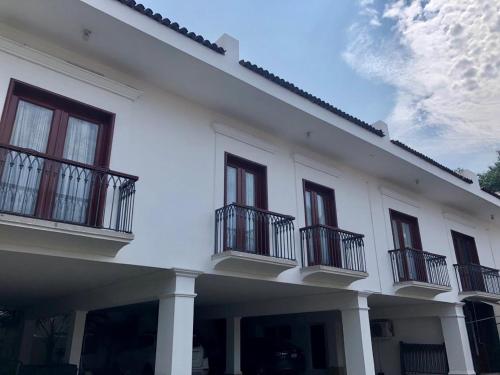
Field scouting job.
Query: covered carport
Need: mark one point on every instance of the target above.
(46, 300)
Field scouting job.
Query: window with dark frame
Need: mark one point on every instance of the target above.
(410, 263)
(465, 248)
(323, 247)
(247, 226)
(50, 145)
(405, 231)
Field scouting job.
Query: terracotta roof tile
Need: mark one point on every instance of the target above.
(172, 25)
(290, 86)
(431, 161)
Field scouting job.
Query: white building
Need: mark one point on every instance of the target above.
(231, 226)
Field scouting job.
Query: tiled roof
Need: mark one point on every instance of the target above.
(290, 86)
(431, 161)
(172, 25)
(496, 195)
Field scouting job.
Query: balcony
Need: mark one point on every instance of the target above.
(478, 282)
(252, 240)
(332, 255)
(63, 205)
(419, 273)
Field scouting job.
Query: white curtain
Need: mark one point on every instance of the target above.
(73, 189)
(22, 173)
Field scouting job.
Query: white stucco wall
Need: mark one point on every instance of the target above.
(411, 331)
(176, 147)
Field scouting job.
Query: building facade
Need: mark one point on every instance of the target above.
(155, 187)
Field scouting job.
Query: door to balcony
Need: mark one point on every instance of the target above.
(470, 272)
(410, 265)
(323, 248)
(52, 145)
(248, 229)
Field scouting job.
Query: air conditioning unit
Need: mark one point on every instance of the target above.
(381, 328)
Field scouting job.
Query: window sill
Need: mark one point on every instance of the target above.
(20, 233)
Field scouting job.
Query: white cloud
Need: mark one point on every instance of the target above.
(443, 59)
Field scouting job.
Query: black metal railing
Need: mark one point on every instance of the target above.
(423, 359)
(333, 247)
(36, 185)
(417, 265)
(253, 230)
(477, 278)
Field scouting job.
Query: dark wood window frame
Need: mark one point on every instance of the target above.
(415, 229)
(239, 162)
(331, 212)
(458, 236)
(63, 108)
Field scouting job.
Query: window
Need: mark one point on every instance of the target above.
(465, 248)
(410, 262)
(245, 186)
(323, 246)
(319, 205)
(245, 182)
(405, 231)
(49, 147)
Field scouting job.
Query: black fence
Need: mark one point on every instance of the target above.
(423, 359)
(35, 185)
(253, 230)
(477, 278)
(333, 247)
(417, 265)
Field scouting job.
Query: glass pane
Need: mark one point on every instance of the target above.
(21, 173)
(252, 218)
(72, 198)
(407, 235)
(308, 208)
(395, 234)
(231, 198)
(321, 209)
(31, 126)
(230, 185)
(250, 189)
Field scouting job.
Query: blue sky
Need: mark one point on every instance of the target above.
(422, 66)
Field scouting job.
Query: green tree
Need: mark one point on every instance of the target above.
(490, 180)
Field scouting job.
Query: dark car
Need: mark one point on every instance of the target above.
(268, 357)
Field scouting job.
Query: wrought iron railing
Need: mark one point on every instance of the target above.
(253, 230)
(417, 265)
(477, 278)
(36, 185)
(333, 247)
(423, 359)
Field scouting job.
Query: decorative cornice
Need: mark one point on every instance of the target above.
(68, 69)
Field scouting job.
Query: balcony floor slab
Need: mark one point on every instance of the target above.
(331, 275)
(249, 263)
(19, 233)
(420, 288)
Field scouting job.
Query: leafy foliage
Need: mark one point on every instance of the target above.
(490, 180)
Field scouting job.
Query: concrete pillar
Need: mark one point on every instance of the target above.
(233, 346)
(457, 341)
(74, 340)
(174, 342)
(357, 337)
(29, 329)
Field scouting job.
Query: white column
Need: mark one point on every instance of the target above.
(233, 346)
(27, 341)
(74, 340)
(174, 341)
(357, 337)
(457, 341)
